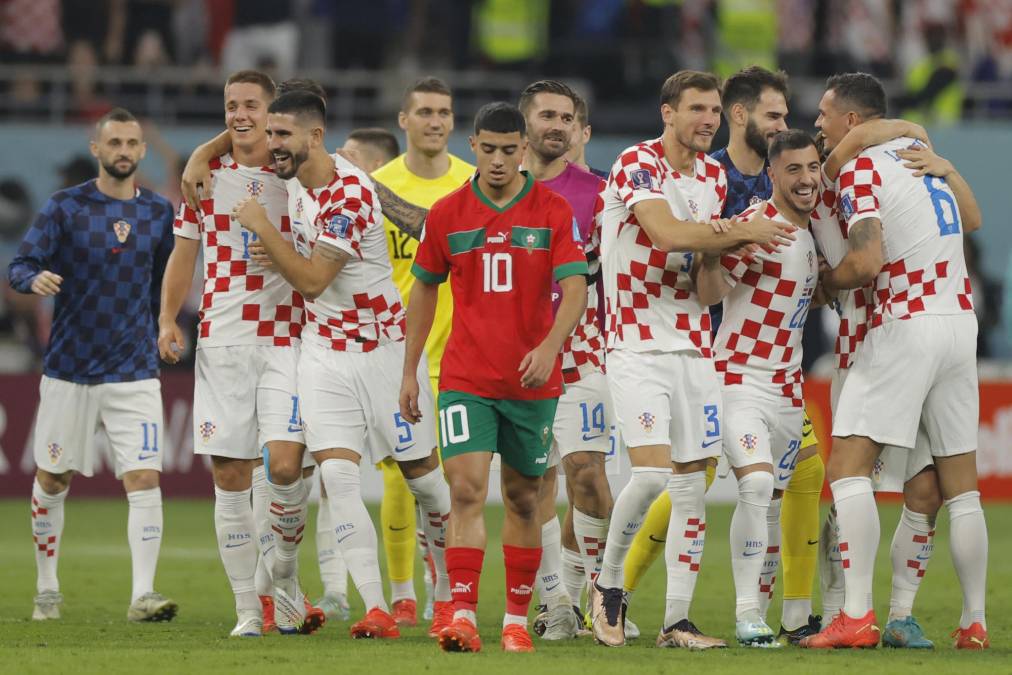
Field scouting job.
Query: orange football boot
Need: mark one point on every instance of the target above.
(460, 636)
(515, 638)
(375, 624)
(846, 632)
(405, 612)
(267, 606)
(442, 616)
(974, 637)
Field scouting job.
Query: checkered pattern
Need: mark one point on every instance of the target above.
(694, 530)
(287, 534)
(924, 270)
(361, 309)
(583, 352)
(853, 307)
(768, 575)
(103, 320)
(759, 340)
(844, 560)
(651, 301)
(437, 519)
(919, 567)
(743, 191)
(45, 543)
(243, 303)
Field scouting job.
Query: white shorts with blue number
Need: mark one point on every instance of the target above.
(761, 426)
(351, 401)
(667, 398)
(70, 415)
(245, 396)
(584, 421)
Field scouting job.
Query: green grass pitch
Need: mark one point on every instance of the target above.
(94, 637)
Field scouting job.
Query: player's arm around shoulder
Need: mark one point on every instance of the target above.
(926, 162)
(27, 272)
(864, 136)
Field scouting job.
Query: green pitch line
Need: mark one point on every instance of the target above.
(94, 637)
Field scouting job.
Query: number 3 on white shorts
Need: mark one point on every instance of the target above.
(453, 426)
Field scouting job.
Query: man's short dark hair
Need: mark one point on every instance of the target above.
(582, 111)
(746, 86)
(114, 115)
(546, 87)
(303, 104)
(858, 92)
(671, 91)
(303, 84)
(253, 77)
(500, 117)
(426, 85)
(379, 138)
(792, 139)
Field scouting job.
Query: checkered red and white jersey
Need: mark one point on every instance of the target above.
(759, 339)
(852, 306)
(651, 301)
(583, 352)
(361, 309)
(924, 271)
(243, 303)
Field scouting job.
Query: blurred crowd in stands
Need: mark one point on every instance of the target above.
(933, 48)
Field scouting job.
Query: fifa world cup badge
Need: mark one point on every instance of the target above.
(122, 230)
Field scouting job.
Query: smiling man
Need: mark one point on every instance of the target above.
(352, 345)
(767, 295)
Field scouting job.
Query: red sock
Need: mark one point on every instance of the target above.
(521, 570)
(463, 565)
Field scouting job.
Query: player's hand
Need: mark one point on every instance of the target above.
(409, 400)
(536, 366)
(46, 283)
(258, 254)
(250, 214)
(821, 296)
(170, 342)
(196, 181)
(770, 234)
(924, 161)
(722, 225)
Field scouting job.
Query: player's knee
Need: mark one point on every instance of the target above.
(144, 479)
(585, 471)
(756, 488)
(234, 475)
(467, 494)
(416, 468)
(921, 494)
(521, 501)
(53, 483)
(285, 470)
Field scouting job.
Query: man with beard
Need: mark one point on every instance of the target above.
(755, 105)
(352, 344)
(100, 248)
(583, 420)
(766, 295)
(661, 206)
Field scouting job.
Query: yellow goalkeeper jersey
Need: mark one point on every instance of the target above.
(423, 192)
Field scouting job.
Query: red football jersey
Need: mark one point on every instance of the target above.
(501, 262)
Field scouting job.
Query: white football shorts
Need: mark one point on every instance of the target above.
(667, 398)
(70, 414)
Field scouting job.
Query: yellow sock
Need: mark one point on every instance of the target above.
(397, 521)
(649, 541)
(799, 526)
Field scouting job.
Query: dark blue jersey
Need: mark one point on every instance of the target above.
(742, 191)
(111, 254)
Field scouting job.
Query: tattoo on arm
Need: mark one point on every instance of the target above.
(407, 217)
(332, 254)
(864, 233)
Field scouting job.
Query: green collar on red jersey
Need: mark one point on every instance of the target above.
(528, 184)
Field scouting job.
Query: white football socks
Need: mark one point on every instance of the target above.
(287, 516)
(548, 582)
(768, 573)
(265, 535)
(433, 496)
(968, 544)
(748, 540)
(144, 532)
(858, 524)
(591, 534)
(574, 577)
(830, 567)
(47, 532)
(683, 547)
(913, 543)
(627, 518)
(233, 523)
(333, 571)
(355, 533)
